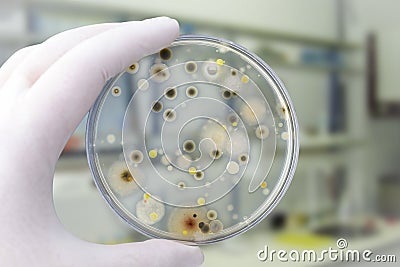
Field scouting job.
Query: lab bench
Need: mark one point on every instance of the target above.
(84, 213)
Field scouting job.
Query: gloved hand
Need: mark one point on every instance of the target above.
(45, 91)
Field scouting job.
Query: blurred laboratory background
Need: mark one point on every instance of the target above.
(340, 61)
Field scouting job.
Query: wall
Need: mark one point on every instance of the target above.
(382, 135)
(380, 18)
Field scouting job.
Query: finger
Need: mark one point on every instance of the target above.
(30, 68)
(155, 252)
(9, 66)
(65, 92)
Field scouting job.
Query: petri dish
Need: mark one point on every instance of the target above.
(197, 142)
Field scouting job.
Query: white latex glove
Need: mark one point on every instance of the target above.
(45, 91)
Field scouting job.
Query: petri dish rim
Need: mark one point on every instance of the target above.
(263, 210)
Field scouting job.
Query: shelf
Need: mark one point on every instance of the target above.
(272, 35)
(19, 38)
(325, 142)
(127, 9)
(311, 67)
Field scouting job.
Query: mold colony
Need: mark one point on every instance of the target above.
(194, 222)
(191, 91)
(203, 154)
(121, 179)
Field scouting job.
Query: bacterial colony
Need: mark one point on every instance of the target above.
(195, 143)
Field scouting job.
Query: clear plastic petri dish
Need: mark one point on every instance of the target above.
(196, 143)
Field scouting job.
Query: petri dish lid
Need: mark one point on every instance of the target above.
(196, 143)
